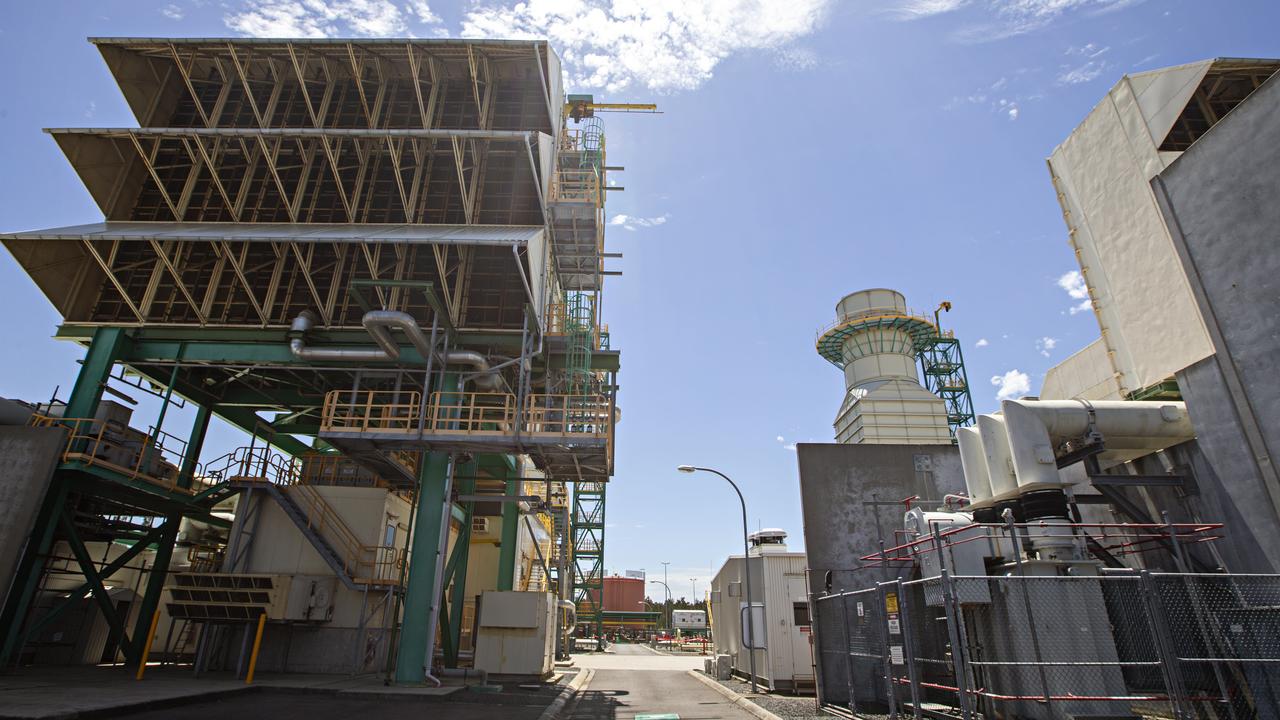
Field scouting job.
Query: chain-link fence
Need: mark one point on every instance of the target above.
(1155, 645)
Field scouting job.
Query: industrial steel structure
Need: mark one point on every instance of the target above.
(393, 247)
(878, 342)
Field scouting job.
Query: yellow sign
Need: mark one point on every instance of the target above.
(891, 602)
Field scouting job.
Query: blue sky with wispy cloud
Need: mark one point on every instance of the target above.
(808, 148)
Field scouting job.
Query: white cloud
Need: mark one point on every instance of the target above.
(780, 439)
(422, 9)
(1073, 282)
(795, 58)
(327, 18)
(1080, 74)
(982, 342)
(1013, 384)
(173, 12)
(1013, 112)
(924, 8)
(631, 222)
(662, 45)
(1045, 344)
(1006, 18)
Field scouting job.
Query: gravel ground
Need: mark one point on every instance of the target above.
(790, 707)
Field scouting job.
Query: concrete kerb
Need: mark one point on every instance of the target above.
(575, 685)
(741, 701)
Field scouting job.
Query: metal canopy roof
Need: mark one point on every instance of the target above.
(288, 232)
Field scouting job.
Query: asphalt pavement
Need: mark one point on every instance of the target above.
(632, 682)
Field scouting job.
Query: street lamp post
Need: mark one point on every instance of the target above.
(746, 564)
(668, 587)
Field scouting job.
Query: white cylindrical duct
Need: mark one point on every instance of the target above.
(1037, 427)
(974, 462)
(995, 446)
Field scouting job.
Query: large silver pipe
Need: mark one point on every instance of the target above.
(378, 324)
(298, 345)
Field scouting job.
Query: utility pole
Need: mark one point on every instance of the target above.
(668, 587)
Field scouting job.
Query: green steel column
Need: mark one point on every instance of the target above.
(510, 538)
(169, 530)
(195, 443)
(425, 556)
(466, 477)
(108, 344)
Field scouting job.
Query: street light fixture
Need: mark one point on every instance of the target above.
(668, 587)
(746, 564)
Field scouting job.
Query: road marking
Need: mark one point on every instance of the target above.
(657, 716)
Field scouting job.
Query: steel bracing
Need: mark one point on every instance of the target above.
(277, 201)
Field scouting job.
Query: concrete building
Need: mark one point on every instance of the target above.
(779, 611)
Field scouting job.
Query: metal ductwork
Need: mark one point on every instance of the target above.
(379, 324)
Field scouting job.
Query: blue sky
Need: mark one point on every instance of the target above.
(808, 148)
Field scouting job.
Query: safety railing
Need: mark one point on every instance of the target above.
(365, 563)
(1169, 645)
(577, 186)
(255, 463)
(470, 413)
(117, 448)
(382, 411)
(569, 415)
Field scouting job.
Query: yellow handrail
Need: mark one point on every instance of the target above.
(88, 443)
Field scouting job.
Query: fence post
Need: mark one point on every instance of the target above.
(957, 644)
(882, 595)
(848, 652)
(908, 649)
(1164, 646)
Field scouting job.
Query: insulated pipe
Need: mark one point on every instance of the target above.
(378, 324)
(298, 345)
(974, 462)
(1037, 427)
(995, 448)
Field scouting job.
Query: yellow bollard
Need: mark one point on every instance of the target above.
(146, 648)
(257, 645)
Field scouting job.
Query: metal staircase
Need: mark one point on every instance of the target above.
(300, 519)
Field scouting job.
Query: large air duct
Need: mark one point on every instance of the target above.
(1036, 428)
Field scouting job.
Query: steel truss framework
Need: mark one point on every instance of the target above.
(274, 177)
(588, 553)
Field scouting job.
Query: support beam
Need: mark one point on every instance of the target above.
(510, 539)
(109, 343)
(96, 588)
(426, 559)
(155, 582)
(457, 570)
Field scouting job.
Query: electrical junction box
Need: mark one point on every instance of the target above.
(310, 598)
(517, 635)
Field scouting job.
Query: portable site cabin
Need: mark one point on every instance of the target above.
(779, 631)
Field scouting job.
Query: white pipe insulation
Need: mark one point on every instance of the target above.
(1035, 428)
(1014, 452)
